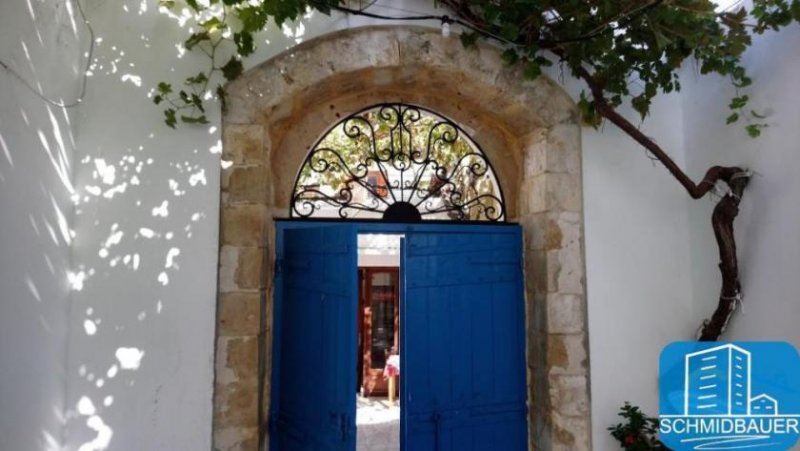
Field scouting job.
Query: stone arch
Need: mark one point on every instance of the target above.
(529, 130)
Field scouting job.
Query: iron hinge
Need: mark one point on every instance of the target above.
(278, 268)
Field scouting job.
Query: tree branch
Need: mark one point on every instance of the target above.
(695, 190)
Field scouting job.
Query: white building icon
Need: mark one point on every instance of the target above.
(764, 405)
(717, 382)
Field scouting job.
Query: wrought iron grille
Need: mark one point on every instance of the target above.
(401, 163)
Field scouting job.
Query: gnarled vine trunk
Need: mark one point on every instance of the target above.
(731, 292)
(722, 218)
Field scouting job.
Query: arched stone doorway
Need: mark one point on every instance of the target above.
(528, 129)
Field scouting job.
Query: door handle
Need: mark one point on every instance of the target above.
(343, 427)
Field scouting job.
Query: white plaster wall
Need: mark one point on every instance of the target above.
(636, 256)
(379, 250)
(41, 41)
(147, 238)
(767, 229)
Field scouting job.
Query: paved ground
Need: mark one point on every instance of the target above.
(378, 425)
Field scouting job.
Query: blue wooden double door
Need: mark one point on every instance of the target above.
(462, 345)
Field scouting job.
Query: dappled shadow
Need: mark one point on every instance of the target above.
(40, 58)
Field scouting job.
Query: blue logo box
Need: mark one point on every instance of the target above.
(729, 395)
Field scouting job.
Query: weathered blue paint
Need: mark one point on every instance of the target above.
(462, 337)
(462, 331)
(313, 405)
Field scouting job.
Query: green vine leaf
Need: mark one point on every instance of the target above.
(220, 91)
(194, 120)
(754, 130)
(469, 39)
(170, 118)
(510, 56)
(245, 44)
(195, 39)
(621, 43)
(641, 104)
(198, 79)
(532, 70)
(232, 69)
(193, 4)
(589, 114)
(213, 24)
(738, 103)
(253, 18)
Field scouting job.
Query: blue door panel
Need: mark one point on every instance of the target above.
(313, 407)
(464, 352)
(462, 339)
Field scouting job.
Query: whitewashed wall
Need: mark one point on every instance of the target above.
(42, 43)
(637, 249)
(142, 324)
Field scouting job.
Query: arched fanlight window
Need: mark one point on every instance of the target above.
(400, 163)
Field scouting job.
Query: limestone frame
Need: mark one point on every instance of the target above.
(530, 130)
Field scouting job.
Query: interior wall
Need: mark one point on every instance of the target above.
(379, 250)
(766, 228)
(42, 42)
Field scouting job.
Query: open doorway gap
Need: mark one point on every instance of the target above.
(378, 348)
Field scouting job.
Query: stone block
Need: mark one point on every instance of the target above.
(250, 268)
(236, 439)
(569, 394)
(228, 262)
(535, 153)
(533, 195)
(536, 275)
(567, 354)
(565, 270)
(240, 104)
(237, 404)
(248, 184)
(571, 226)
(242, 357)
(239, 314)
(543, 231)
(243, 225)
(564, 148)
(571, 433)
(551, 192)
(563, 192)
(223, 374)
(243, 144)
(566, 313)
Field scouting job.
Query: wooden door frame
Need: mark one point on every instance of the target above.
(365, 333)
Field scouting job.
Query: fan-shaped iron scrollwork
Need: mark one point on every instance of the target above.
(401, 163)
